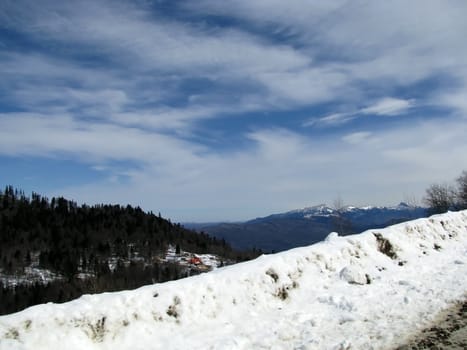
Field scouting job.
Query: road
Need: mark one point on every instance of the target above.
(448, 332)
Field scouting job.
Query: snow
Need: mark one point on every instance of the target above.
(29, 276)
(314, 210)
(366, 291)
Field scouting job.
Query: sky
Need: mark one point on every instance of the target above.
(228, 110)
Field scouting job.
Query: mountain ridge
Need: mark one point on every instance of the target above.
(298, 227)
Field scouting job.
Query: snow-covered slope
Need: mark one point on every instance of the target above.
(365, 291)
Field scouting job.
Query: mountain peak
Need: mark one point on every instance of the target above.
(320, 209)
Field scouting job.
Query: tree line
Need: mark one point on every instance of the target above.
(79, 240)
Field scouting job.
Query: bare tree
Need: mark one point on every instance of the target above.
(462, 190)
(338, 206)
(411, 200)
(440, 198)
(341, 224)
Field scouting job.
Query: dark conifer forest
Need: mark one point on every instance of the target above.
(89, 249)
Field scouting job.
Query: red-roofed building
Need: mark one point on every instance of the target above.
(195, 261)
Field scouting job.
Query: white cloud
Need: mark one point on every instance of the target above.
(305, 86)
(148, 63)
(386, 106)
(141, 43)
(389, 106)
(334, 119)
(361, 38)
(51, 135)
(280, 170)
(148, 54)
(357, 137)
(456, 100)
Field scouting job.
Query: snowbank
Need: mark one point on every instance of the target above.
(366, 291)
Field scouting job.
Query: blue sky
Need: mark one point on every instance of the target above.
(226, 110)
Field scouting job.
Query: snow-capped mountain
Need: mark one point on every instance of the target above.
(367, 291)
(309, 225)
(324, 210)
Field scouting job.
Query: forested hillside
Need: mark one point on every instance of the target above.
(64, 250)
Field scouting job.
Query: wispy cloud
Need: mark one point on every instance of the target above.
(360, 39)
(146, 48)
(357, 137)
(389, 106)
(334, 119)
(44, 135)
(283, 170)
(455, 99)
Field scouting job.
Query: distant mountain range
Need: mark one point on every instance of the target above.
(306, 226)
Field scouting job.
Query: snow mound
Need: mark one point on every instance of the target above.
(354, 274)
(366, 291)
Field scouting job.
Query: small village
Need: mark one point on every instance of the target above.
(195, 263)
(191, 263)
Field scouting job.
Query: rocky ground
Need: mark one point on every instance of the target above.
(448, 332)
